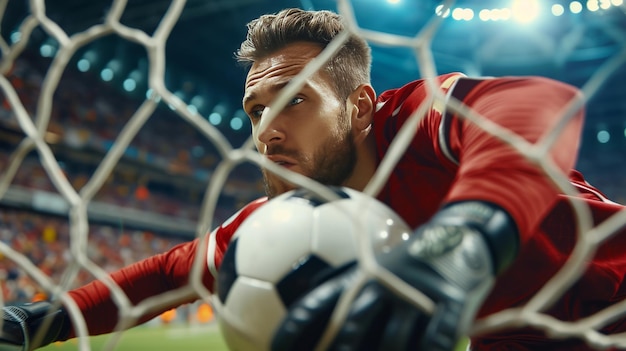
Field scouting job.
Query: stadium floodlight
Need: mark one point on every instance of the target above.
(129, 85)
(217, 115)
(525, 11)
(603, 136)
(135, 77)
(106, 74)
(112, 70)
(575, 7)
(484, 15)
(192, 109)
(89, 60)
(83, 65)
(439, 11)
(15, 36)
(468, 14)
(238, 120)
(198, 103)
(215, 118)
(152, 95)
(462, 14)
(495, 14)
(236, 123)
(48, 48)
(558, 10)
(593, 6)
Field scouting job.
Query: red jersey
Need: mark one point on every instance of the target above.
(449, 159)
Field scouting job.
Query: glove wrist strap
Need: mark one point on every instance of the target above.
(496, 226)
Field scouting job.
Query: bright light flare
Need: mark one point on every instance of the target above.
(439, 11)
(525, 11)
(558, 9)
(575, 7)
(462, 14)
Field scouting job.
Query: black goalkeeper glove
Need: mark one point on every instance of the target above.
(21, 324)
(453, 259)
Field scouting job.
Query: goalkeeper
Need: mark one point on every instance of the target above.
(503, 228)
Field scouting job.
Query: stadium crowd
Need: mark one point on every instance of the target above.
(166, 170)
(45, 239)
(88, 120)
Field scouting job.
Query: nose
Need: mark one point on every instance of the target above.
(269, 137)
(272, 133)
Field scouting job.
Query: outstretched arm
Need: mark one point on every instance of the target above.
(139, 281)
(153, 276)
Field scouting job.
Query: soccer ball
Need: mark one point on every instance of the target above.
(286, 247)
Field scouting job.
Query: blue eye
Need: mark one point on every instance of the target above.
(295, 101)
(256, 112)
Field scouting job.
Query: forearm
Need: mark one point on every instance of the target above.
(98, 306)
(150, 277)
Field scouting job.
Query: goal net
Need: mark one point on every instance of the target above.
(79, 199)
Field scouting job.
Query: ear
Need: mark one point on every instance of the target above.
(363, 103)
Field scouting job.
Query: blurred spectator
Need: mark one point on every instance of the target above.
(89, 120)
(45, 240)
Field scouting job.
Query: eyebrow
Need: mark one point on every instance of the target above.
(273, 89)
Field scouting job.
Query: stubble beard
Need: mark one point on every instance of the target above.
(331, 165)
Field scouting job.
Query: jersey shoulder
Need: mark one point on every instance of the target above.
(415, 91)
(585, 189)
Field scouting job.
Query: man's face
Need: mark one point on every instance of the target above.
(312, 134)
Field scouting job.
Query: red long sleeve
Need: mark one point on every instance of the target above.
(150, 277)
(156, 275)
(493, 171)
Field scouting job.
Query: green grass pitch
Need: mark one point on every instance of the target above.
(167, 338)
(188, 338)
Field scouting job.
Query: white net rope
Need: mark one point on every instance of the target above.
(34, 127)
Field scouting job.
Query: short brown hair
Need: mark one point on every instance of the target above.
(267, 34)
